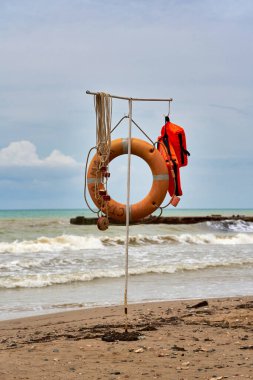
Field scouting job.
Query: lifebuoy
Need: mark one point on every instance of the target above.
(157, 193)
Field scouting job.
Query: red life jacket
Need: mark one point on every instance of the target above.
(172, 146)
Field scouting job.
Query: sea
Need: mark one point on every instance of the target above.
(48, 265)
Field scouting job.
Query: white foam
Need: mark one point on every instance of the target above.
(232, 225)
(76, 243)
(52, 244)
(224, 239)
(32, 280)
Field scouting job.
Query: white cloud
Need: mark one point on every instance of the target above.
(56, 158)
(24, 153)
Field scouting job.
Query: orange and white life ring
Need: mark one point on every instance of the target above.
(157, 193)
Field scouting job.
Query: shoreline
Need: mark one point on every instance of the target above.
(176, 340)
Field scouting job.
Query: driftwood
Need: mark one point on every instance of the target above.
(82, 220)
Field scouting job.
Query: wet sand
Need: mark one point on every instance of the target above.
(181, 340)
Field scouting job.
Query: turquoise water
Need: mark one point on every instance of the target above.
(44, 213)
(69, 213)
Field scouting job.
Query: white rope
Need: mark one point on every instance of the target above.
(103, 108)
(128, 214)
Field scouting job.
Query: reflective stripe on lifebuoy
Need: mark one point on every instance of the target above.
(157, 193)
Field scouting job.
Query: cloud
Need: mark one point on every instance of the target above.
(21, 166)
(24, 154)
(197, 52)
(28, 180)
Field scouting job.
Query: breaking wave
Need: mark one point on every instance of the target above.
(186, 238)
(40, 280)
(76, 243)
(231, 225)
(52, 244)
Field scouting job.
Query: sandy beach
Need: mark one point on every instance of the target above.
(190, 339)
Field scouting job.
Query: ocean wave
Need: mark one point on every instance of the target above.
(48, 279)
(186, 238)
(76, 243)
(52, 244)
(231, 225)
(216, 239)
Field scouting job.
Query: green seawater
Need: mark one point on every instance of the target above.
(69, 213)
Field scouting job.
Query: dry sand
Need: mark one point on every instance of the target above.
(176, 341)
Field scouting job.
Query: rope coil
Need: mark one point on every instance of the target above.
(103, 108)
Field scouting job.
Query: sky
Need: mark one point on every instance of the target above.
(199, 52)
